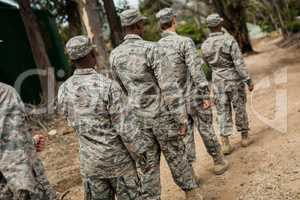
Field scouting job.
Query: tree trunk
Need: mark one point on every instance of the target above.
(114, 22)
(39, 52)
(73, 16)
(91, 19)
(280, 18)
(234, 14)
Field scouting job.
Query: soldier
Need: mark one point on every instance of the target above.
(135, 64)
(188, 83)
(22, 175)
(92, 105)
(229, 75)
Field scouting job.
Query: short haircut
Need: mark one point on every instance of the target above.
(133, 26)
(167, 25)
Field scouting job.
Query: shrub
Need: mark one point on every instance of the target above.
(191, 29)
(293, 26)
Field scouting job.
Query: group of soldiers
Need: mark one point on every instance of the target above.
(157, 95)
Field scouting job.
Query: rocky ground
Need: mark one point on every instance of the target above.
(267, 170)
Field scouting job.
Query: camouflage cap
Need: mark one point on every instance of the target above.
(165, 15)
(214, 20)
(78, 47)
(131, 16)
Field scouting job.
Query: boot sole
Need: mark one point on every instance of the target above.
(226, 153)
(220, 172)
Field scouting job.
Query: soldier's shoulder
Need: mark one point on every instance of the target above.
(7, 88)
(228, 38)
(149, 44)
(66, 83)
(7, 91)
(206, 43)
(185, 38)
(103, 79)
(116, 50)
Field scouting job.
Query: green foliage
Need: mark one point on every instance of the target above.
(207, 72)
(293, 26)
(56, 7)
(152, 31)
(191, 29)
(149, 8)
(270, 14)
(206, 68)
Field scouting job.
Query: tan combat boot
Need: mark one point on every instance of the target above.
(193, 195)
(221, 165)
(246, 141)
(227, 148)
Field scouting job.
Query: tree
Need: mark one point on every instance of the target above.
(38, 50)
(114, 22)
(234, 14)
(66, 14)
(73, 16)
(88, 10)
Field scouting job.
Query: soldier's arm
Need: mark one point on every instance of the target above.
(16, 144)
(239, 63)
(195, 65)
(121, 123)
(115, 74)
(61, 101)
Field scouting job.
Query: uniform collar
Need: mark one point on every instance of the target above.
(85, 71)
(132, 36)
(168, 33)
(216, 34)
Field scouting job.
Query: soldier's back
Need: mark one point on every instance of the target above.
(176, 73)
(85, 98)
(132, 65)
(217, 52)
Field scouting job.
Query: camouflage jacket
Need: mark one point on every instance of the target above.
(92, 104)
(221, 51)
(184, 75)
(135, 65)
(19, 164)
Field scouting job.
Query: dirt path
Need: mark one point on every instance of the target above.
(267, 170)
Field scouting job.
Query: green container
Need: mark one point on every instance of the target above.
(15, 51)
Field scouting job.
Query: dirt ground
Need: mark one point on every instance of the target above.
(267, 170)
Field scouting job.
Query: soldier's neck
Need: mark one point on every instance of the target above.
(171, 29)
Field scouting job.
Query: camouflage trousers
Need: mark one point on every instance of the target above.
(163, 137)
(126, 187)
(43, 190)
(202, 120)
(229, 99)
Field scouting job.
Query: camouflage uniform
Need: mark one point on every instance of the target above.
(92, 104)
(188, 83)
(229, 75)
(135, 64)
(22, 173)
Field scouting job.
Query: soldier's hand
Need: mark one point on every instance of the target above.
(251, 87)
(183, 130)
(206, 104)
(40, 142)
